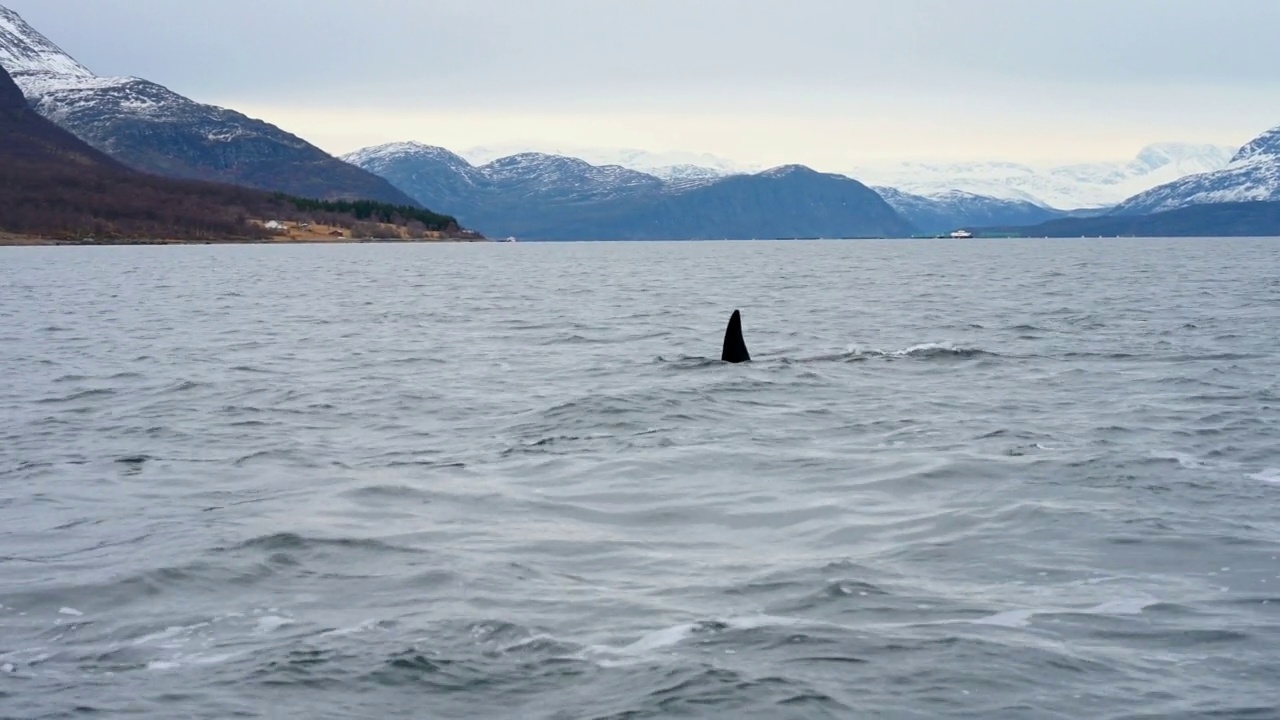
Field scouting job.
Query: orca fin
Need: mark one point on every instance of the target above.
(735, 348)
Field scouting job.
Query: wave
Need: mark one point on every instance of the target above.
(923, 351)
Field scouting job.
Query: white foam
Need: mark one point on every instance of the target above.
(1008, 618)
(1023, 618)
(1270, 476)
(364, 626)
(271, 623)
(70, 611)
(669, 637)
(8, 668)
(162, 665)
(1132, 606)
(1191, 462)
(659, 639)
(169, 633)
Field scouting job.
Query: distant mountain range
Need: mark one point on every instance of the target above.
(543, 196)
(1067, 187)
(539, 196)
(1241, 199)
(150, 128)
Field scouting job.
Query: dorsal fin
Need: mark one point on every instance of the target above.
(735, 348)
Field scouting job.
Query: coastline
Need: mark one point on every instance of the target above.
(9, 240)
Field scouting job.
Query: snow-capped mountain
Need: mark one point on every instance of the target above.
(1065, 187)
(425, 170)
(555, 176)
(153, 129)
(955, 209)
(544, 196)
(1252, 175)
(658, 164)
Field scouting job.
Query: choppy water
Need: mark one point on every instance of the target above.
(981, 480)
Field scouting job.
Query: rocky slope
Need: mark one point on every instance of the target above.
(152, 128)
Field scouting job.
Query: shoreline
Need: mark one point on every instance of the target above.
(33, 241)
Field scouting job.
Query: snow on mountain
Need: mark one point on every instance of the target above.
(544, 196)
(955, 209)
(686, 176)
(1091, 185)
(380, 158)
(654, 163)
(421, 168)
(679, 169)
(25, 51)
(1253, 174)
(542, 173)
(1066, 187)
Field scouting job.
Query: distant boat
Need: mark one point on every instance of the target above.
(961, 235)
(510, 239)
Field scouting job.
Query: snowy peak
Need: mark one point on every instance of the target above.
(784, 170)
(645, 161)
(381, 155)
(1264, 148)
(559, 176)
(687, 176)
(23, 50)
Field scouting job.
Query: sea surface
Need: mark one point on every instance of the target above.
(980, 479)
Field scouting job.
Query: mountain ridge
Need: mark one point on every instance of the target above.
(544, 196)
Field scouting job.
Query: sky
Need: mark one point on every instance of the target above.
(828, 83)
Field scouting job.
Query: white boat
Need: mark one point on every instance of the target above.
(961, 235)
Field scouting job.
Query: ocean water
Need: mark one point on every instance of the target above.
(1014, 479)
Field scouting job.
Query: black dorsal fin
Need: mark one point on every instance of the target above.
(735, 348)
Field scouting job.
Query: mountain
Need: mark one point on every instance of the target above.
(1066, 187)
(671, 166)
(792, 201)
(551, 197)
(1230, 219)
(153, 129)
(952, 210)
(1252, 175)
(54, 185)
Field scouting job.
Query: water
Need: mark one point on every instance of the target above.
(1024, 479)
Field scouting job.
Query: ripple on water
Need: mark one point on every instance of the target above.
(1014, 479)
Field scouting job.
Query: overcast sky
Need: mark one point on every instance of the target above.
(830, 83)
